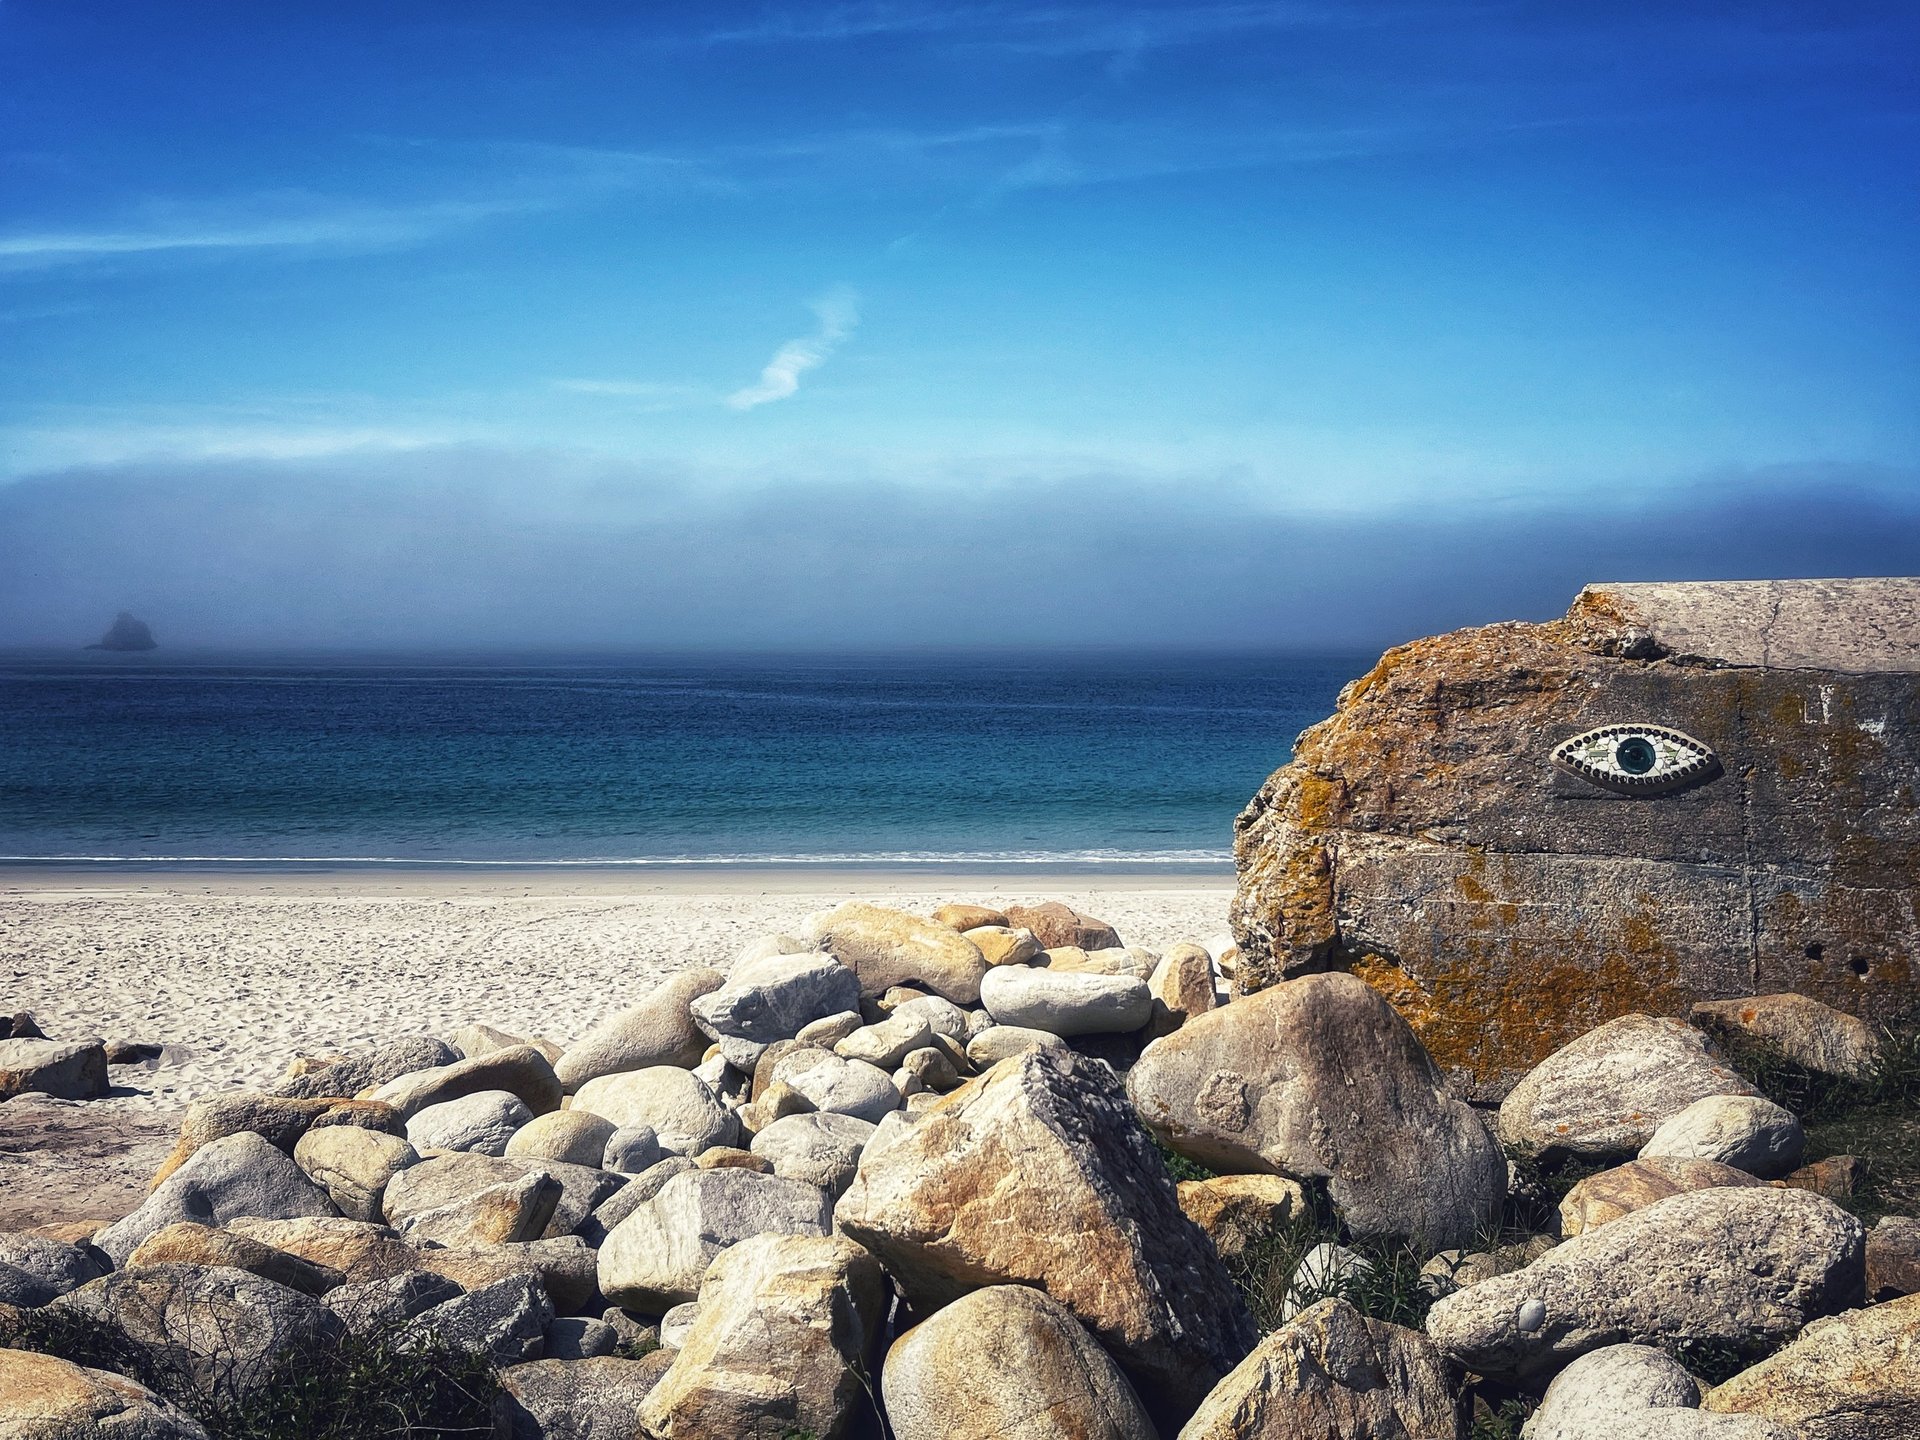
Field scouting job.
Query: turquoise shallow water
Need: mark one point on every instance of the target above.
(1045, 760)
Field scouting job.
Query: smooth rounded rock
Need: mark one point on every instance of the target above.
(1598, 1199)
(571, 1137)
(353, 1165)
(683, 1113)
(822, 1149)
(1066, 1003)
(843, 1087)
(1747, 1132)
(658, 1031)
(482, 1122)
(1001, 1042)
(886, 948)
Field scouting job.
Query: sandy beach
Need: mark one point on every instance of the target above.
(238, 973)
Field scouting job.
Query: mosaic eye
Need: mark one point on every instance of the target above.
(1637, 759)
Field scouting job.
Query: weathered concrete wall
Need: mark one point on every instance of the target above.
(1422, 838)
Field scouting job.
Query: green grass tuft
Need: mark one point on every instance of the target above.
(1179, 1167)
(1391, 1291)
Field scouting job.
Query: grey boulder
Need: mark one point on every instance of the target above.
(1745, 1131)
(366, 1069)
(505, 1321)
(776, 998)
(520, 1070)
(656, 1257)
(837, 1085)
(75, 1070)
(591, 1399)
(1066, 1002)
(482, 1122)
(237, 1176)
(823, 1149)
(684, 1114)
(1633, 1392)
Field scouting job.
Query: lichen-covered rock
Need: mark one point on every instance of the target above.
(1332, 1372)
(1633, 1392)
(657, 1256)
(683, 1113)
(45, 1398)
(885, 948)
(520, 1070)
(353, 1165)
(1893, 1258)
(1737, 1266)
(1038, 1173)
(780, 1345)
(1748, 1132)
(349, 1075)
(66, 1070)
(658, 1031)
(374, 1306)
(1007, 1363)
(1608, 1091)
(1812, 1035)
(232, 1178)
(1506, 907)
(1851, 1377)
(1596, 1199)
(1319, 1077)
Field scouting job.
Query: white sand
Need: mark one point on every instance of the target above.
(237, 974)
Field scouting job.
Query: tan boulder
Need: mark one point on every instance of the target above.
(279, 1120)
(1002, 945)
(1038, 1173)
(1238, 1210)
(188, 1243)
(1332, 1372)
(1597, 1199)
(1814, 1036)
(568, 1137)
(657, 1031)
(1057, 924)
(66, 1070)
(1182, 987)
(1835, 1177)
(520, 1070)
(968, 917)
(353, 1165)
(780, 1344)
(1851, 1377)
(46, 1398)
(1007, 1363)
(886, 948)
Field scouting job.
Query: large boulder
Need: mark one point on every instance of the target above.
(780, 1345)
(505, 1321)
(467, 1199)
(1318, 1077)
(1608, 1091)
(521, 1070)
(50, 1267)
(775, 998)
(885, 948)
(1238, 1211)
(1736, 1266)
(1066, 1002)
(187, 1243)
(1055, 924)
(1850, 1377)
(353, 1165)
(836, 1085)
(822, 1149)
(46, 1398)
(684, 1115)
(238, 1176)
(1182, 987)
(1038, 1173)
(1595, 1200)
(1332, 1372)
(1748, 1132)
(482, 1122)
(1633, 1392)
(275, 1118)
(226, 1331)
(66, 1070)
(657, 1031)
(1813, 1036)
(1423, 837)
(591, 1399)
(578, 1137)
(1007, 1363)
(657, 1256)
(345, 1076)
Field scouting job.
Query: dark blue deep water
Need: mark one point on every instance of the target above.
(1043, 759)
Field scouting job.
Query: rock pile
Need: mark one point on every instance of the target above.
(893, 1174)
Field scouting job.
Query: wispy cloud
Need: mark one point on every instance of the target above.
(1060, 29)
(838, 313)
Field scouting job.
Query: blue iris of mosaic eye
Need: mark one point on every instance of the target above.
(1637, 759)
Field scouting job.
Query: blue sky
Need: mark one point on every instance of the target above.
(1240, 268)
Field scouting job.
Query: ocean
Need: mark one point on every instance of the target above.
(1063, 761)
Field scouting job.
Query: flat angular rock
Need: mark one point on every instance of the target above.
(1608, 1091)
(1181, 986)
(631, 1149)
(504, 1321)
(1332, 1372)
(1007, 1363)
(1851, 1377)
(281, 1120)
(821, 1149)
(776, 998)
(591, 1399)
(886, 1044)
(1893, 1258)
(378, 1306)
(353, 1165)
(838, 1086)
(513, 1211)
(569, 1137)
(1506, 906)
(187, 1243)
(1633, 1392)
(232, 1178)
(363, 1070)
(1038, 1173)
(1738, 1266)
(1065, 1002)
(1055, 924)
(576, 1337)
(74, 1070)
(683, 1113)
(1318, 1077)
(1813, 1036)
(1237, 1211)
(656, 1257)
(1597, 1199)
(779, 1346)
(45, 1398)
(226, 1329)
(1748, 1132)
(1001, 1042)
(482, 1122)
(885, 948)
(520, 1070)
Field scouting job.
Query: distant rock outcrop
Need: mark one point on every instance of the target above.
(126, 633)
(1514, 834)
